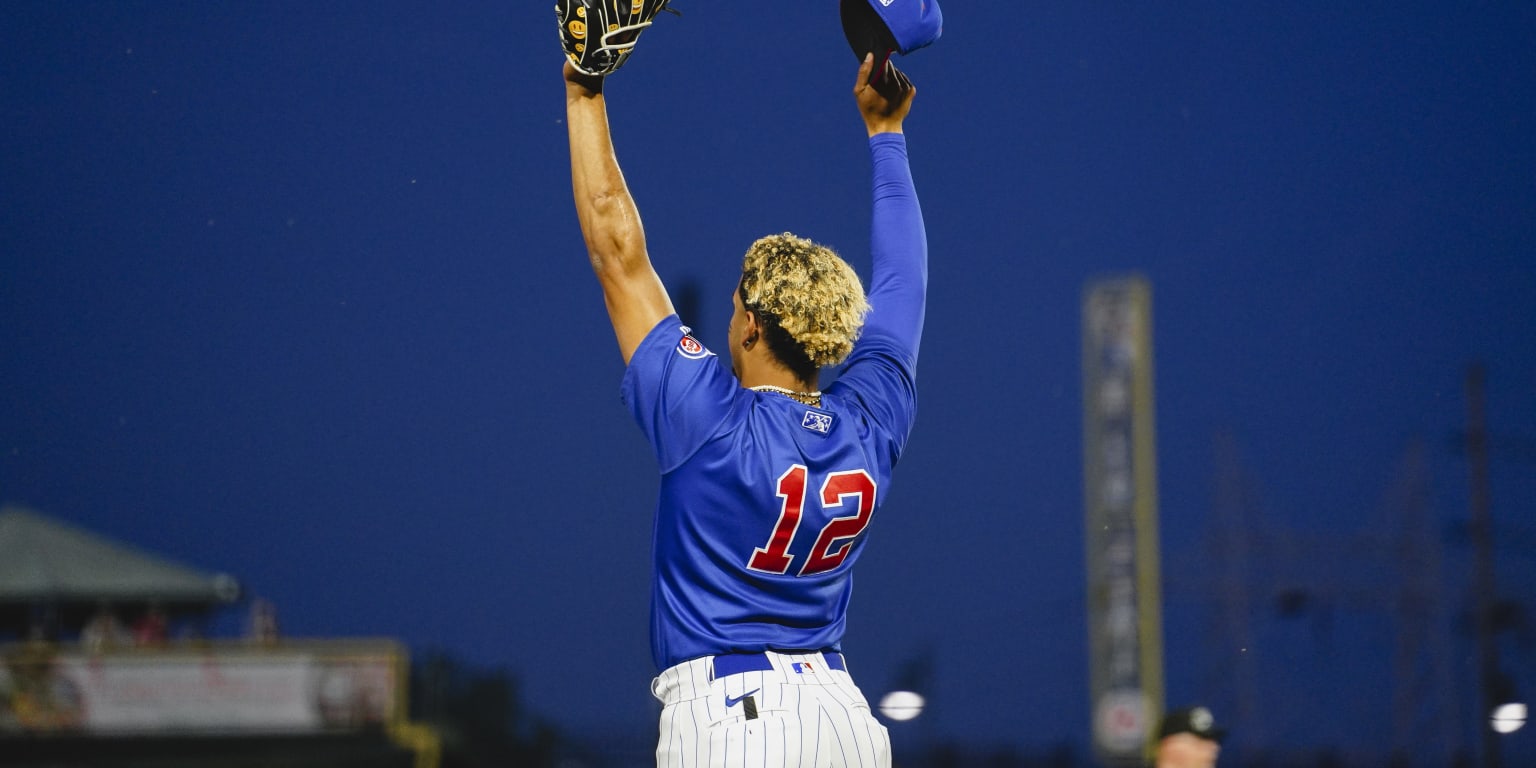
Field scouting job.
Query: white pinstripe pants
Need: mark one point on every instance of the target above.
(806, 716)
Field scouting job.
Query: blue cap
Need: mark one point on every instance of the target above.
(899, 25)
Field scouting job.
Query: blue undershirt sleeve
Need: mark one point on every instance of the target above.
(881, 372)
(898, 248)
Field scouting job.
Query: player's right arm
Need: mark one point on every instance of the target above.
(610, 222)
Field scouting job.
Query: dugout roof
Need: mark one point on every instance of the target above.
(45, 561)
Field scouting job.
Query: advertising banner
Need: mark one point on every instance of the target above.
(199, 692)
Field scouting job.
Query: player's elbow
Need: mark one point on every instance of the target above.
(615, 238)
(614, 256)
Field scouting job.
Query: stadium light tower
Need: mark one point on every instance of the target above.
(1481, 527)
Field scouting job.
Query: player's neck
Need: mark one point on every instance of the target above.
(762, 373)
(782, 384)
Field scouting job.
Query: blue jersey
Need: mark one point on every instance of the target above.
(766, 503)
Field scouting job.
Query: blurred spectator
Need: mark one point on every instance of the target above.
(263, 622)
(103, 631)
(152, 629)
(1188, 738)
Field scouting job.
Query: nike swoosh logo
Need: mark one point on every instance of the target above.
(731, 701)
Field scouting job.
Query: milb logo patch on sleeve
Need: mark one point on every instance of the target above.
(818, 422)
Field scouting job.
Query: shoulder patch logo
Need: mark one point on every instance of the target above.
(815, 421)
(690, 347)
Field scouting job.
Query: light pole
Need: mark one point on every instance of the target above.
(1483, 585)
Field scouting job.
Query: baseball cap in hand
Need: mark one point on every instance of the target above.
(1196, 720)
(885, 26)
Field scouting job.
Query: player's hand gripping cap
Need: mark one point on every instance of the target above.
(599, 35)
(888, 26)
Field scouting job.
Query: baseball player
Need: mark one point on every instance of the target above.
(769, 483)
(1188, 738)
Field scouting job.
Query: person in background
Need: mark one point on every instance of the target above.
(152, 630)
(1188, 738)
(104, 631)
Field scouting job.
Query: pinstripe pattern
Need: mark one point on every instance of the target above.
(810, 717)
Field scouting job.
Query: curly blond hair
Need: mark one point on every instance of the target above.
(808, 299)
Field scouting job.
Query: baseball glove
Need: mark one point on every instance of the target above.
(599, 35)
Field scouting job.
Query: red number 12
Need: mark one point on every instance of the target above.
(836, 537)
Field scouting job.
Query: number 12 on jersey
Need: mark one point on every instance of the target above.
(835, 539)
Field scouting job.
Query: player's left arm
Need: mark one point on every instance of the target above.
(898, 239)
(610, 221)
(881, 372)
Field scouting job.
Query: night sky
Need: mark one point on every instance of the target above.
(296, 291)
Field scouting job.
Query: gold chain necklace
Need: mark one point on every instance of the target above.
(806, 398)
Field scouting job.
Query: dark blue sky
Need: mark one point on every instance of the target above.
(296, 291)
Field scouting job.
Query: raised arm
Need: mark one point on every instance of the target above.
(898, 240)
(610, 222)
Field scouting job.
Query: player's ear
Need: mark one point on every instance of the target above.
(751, 332)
